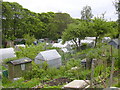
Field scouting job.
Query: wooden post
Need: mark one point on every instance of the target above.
(112, 69)
(111, 73)
(92, 73)
(118, 37)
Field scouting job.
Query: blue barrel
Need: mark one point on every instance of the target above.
(5, 73)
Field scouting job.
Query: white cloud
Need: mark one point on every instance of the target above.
(73, 7)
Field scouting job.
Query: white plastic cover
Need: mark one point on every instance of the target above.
(7, 53)
(48, 55)
(52, 57)
(20, 45)
(87, 41)
(90, 38)
(64, 50)
(65, 45)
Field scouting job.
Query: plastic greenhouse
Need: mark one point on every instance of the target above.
(52, 57)
(7, 53)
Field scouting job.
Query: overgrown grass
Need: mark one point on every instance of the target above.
(21, 83)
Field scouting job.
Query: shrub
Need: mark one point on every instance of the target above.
(84, 46)
(72, 63)
(29, 39)
(30, 51)
(52, 72)
(21, 83)
(36, 71)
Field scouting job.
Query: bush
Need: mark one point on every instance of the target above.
(30, 51)
(21, 83)
(29, 39)
(5, 80)
(36, 72)
(72, 63)
(84, 46)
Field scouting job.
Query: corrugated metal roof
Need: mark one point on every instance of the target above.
(48, 55)
(21, 61)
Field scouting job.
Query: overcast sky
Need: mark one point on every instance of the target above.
(72, 7)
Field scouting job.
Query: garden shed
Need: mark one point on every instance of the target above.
(52, 57)
(114, 43)
(17, 67)
(6, 53)
(83, 62)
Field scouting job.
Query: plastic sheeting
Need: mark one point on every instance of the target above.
(20, 45)
(66, 45)
(52, 57)
(65, 50)
(87, 41)
(90, 38)
(7, 53)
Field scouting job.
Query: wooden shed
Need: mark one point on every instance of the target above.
(17, 67)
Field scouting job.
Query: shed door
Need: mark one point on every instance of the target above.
(22, 66)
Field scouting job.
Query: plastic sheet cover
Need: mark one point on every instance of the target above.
(7, 53)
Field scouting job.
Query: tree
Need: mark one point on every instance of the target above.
(47, 20)
(58, 24)
(12, 16)
(77, 32)
(86, 13)
(113, 33)
(100, 27)
(18, 21)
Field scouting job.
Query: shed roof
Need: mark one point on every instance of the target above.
(21, 61)
(7, 53)
(48, 55)
(83, 61)
(114, 42)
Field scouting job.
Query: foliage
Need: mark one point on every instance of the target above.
(30, 51)
(3, 68)
(18, 21)
(29, 39)
(98, 70)
(58, 24)
(72, 63)
(5, 81)
(113, 33)
(21, 83)
(100, 27)
(38, 71)
(77, 32)
(10, 59)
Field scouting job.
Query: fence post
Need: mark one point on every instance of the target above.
(92, 73)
